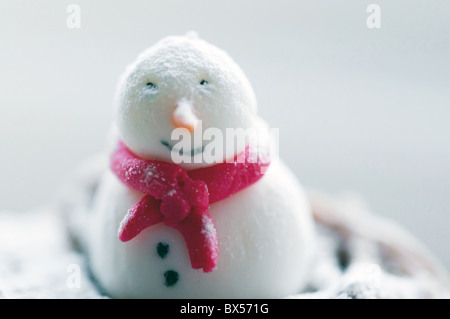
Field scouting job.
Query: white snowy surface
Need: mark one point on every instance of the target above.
(376, 259)
(36, 260)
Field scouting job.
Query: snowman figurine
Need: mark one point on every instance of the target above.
(236, 227)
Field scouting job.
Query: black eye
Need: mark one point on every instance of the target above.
(150, 85)
(203, 82)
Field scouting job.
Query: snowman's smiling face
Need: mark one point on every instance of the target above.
(176, 84)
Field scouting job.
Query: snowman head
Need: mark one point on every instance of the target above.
(181, 82)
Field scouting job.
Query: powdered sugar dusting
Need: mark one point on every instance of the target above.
(208, 230)
(124, 222)
(171, 192)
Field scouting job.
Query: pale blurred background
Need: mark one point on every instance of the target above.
(359, 109)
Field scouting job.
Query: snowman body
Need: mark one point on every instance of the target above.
(265, 232)
(265, 243)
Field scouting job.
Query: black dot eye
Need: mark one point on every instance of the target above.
(203, 82)
(150, 85)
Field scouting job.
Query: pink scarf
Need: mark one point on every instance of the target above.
(180, 198)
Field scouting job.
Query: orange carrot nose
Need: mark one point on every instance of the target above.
(183, 116)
